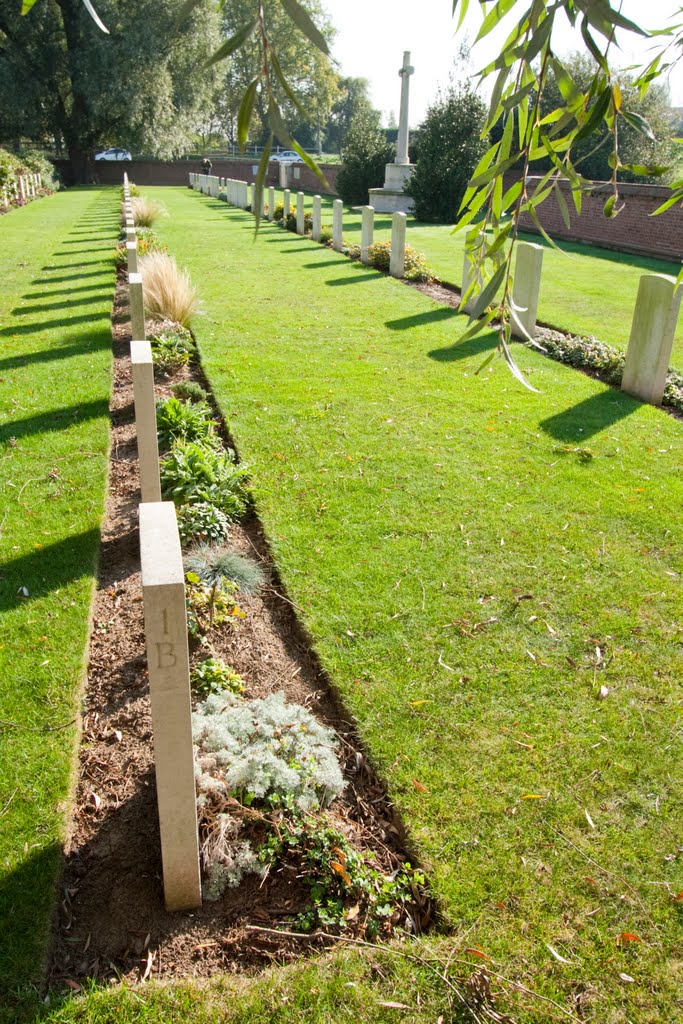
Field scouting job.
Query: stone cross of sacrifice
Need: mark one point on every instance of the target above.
(402, 145)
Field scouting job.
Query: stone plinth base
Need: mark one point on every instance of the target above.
(391, 198)
(386, 200)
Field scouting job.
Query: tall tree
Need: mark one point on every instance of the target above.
(66, 83)
(449, 149)
(308, 72)
(591, 155)
(353, 96)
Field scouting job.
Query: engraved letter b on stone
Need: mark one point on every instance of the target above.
(165, 655)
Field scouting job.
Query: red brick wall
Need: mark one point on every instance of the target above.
(175, 172)
(633, 230)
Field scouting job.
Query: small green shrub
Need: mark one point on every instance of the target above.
(337, 875)
(148, 241)
(202, 523)
(215, 564)
(265, 752)
(278, 211)
(213, 676)
(184, 421)
(172, 346)
(365, 153)
(209, 607)
(416, 267)
(352, 251)
(192, 472)
(189, 390)
(604, 362)
(325, 234)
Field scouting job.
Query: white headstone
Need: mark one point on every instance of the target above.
(286, 201)
(142, 366)
(366, 232)
(316, 226)
(526, 288)
(337, 225)
(300, 222)
(137, 306)
(397, 260)
(163, 589)
(271, 203)
(652, 336)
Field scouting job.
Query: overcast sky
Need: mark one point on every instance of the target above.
(372, 35)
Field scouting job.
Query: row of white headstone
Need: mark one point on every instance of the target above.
(239, 193)
(655, 316)
(24, 187)
(653, 327)
(163, 588)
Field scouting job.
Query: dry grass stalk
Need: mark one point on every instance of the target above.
(169, 293)
(146, 211)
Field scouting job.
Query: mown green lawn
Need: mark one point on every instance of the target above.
(585, 289)
(55, 366)
(492, 581)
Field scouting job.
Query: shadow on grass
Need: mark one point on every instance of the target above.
(63, 291)
(26, 902)
(106, 259)
(355, 278)
(48, 568)
(56, 353)
(71, 277)
(404, 323)
(589, 417)
(474, 347)
(53, 419)
(44, 307)
(9, 332)
(320, 264)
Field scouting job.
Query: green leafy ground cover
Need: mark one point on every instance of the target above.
(492, 580)
(55, 360)
(585, 289)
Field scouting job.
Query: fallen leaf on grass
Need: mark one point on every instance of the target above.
(419, 787)
(626, 977)
(533, 796)
(589, 819)
(73, 985)
(476, 952)
(628, 937)
(388, 1005)
(553, 951)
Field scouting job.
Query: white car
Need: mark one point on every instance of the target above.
(113, 154)
(288, 156)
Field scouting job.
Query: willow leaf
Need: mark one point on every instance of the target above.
(304, 23)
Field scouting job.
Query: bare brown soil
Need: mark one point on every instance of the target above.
(111, 919)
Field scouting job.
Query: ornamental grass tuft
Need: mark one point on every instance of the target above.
(169, 293)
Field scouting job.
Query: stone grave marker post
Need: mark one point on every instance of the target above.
(300, 222)
(163, 589)
(271, 203)
(142, 366)
(137, 306)
(317, 218)
(132, 256)
(397, 259)
(366, 232)
(286, 204)
(526, 288)
(652, 336)
(337, 225)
